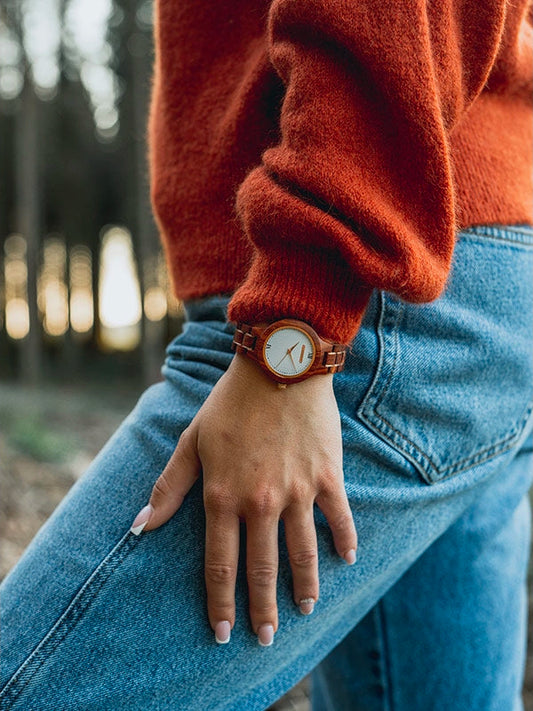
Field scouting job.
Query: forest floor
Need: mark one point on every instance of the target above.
(48, 437)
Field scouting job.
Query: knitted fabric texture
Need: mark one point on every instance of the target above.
(305, 152)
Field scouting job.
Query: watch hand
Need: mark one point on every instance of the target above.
(281, 361)
(288, 353)
(292, 361)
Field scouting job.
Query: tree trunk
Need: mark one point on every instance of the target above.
(146, 237)
(28, 223)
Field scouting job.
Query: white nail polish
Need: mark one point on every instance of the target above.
(137, 529)
(307, 605)
(350, 557)
(222, 632)
(265, 635)
(141, 520)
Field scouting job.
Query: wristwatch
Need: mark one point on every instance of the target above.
(288, 350)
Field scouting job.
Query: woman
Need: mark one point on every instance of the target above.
(380, 159)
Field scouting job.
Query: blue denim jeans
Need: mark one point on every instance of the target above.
(436, 408)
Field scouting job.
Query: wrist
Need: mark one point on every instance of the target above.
(253, 378)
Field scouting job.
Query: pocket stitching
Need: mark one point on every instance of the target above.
(403, 444)
(368, 410)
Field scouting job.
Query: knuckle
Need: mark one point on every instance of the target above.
(300, 491)
(262, 575)
(184, 443)
(221, 610)
(186, 435)
(262, 503)
(304, 558)
(330, 483)
(265, 612)
(162, 486)
(219, 573)
(343, 523)
(216, 498)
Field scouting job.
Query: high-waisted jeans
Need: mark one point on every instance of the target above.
(436, 408)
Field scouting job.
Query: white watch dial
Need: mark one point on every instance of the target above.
(289, 351)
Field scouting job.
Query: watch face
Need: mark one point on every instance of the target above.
(289, 351)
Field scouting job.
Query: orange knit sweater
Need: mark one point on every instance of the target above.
(304, 152)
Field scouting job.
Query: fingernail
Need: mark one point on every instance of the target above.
(222, 632)
(141, 520)
(307, 605)
(350, 557)
(265, 635)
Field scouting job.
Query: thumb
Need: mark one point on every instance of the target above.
(180, 473)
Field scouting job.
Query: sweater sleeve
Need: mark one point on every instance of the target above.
(358, 193)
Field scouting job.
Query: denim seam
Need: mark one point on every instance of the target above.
(386, 332)
(381, 351)
(68, 619)
(384, 657)
(430, 471)
(497, 242)
(506, 233)
(400, 308)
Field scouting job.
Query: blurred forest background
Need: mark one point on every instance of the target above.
(84, 285)
(85, 305)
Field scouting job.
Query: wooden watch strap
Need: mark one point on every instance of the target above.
(244, 338)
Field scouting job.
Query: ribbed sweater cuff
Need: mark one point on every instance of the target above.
(307, 284)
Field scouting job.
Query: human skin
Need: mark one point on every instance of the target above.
(265, 453)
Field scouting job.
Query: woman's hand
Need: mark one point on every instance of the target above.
(266, 453)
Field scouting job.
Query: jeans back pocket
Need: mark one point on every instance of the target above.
(453, 385)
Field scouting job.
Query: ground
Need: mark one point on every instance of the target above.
(48, 436)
